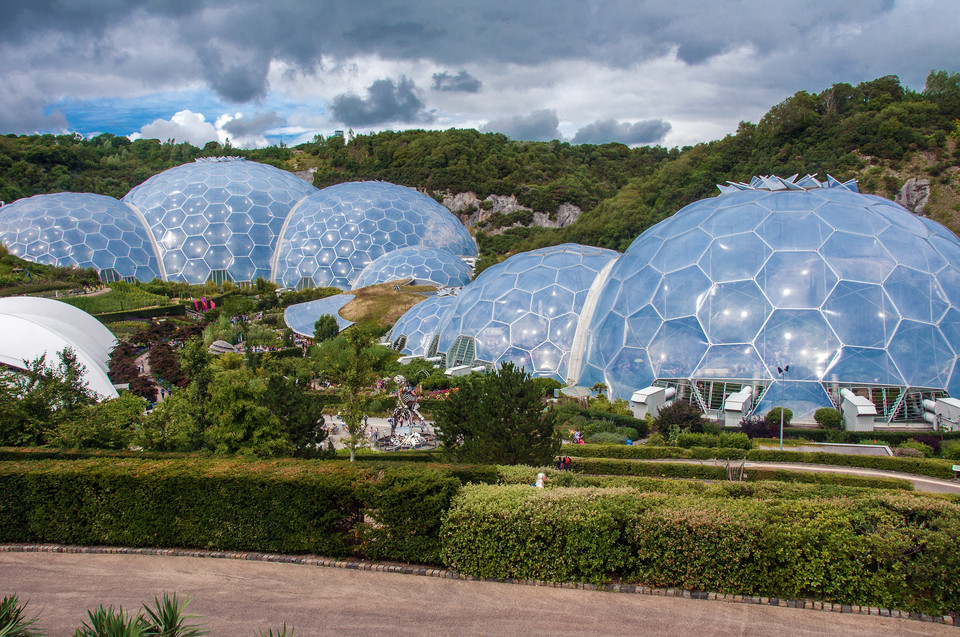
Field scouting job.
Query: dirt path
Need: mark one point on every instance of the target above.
(241, 597)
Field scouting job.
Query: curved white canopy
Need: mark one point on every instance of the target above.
(31, 327)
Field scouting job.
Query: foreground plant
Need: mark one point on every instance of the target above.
(13, 621)
(168, 619)
(107, 622)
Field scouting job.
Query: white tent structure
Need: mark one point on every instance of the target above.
(31, 327)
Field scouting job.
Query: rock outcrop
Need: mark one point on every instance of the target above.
(476, 212)
(914, 195)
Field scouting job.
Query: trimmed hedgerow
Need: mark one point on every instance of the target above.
(890, 550)
(918, 466)
(690, 470)
(230, 504)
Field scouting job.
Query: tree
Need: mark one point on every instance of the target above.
(358, 376)
(106, 425)
(295, 408)
(497, 419)
(241, 422)
(325, 328)
(50, 395)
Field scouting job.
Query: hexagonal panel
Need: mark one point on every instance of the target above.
(801, 339)
(861, 314)
(796, 279)
(733, 312)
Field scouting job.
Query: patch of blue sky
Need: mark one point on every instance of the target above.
(125, 115)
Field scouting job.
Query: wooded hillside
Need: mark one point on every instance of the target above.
(877, 131)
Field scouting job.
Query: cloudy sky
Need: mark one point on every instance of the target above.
(587, 71)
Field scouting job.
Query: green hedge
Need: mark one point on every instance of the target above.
(932, 467)
(273, 506)
(696, 471)
(918, 466)
(889, 550)
(892, 438)
(150, 312)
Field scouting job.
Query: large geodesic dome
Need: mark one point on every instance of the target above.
(849, 290)
(415, 333)
(218, 219)
(85, 230)
(524, 310)
(337, 232)
(436, 266)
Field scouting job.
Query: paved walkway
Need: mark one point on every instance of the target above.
(240, 597)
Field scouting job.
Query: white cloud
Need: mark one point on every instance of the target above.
(184, 126)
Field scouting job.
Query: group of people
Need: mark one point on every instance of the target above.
(563, 463)
(578, 438)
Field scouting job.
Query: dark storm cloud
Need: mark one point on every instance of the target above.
(449, 32)
(538, 126)
(462, 82)
(386, 101)
(254, 126)
(603, 131)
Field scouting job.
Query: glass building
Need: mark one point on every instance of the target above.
(524, 310)
(849, 290)
(415, 333)
(435, 266)
(334, 234)
(83, 230)
(219, 218)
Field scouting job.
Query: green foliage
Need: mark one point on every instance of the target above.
(826, 417)
(689, 440)
(120, 297)
(497, 418)
(734, 441)
(325, 328)
(107, 622)
(607, 438)
(242, 421)
(925, 450)
(918, 466)
(680, 415)
(951, 450)
(773, 416)
(13, 619)
(860, 550)
(110, 424)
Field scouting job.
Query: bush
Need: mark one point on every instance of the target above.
(734, 441)
(888, 550)
(773, 416)
(630, 433)
(607, 438)
(951, 449)
(826, 417)
(758, 427)
(680, 415)
(902, 452)
(926, 450)
(688, 440)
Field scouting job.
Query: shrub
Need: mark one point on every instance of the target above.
(889, 550)
(656, 440)
(926, 450)
(629, 432)
(773, 416)
(904, 452)
(826, 417)
(734, 441)
(607, 438)
(951, 449)
(681, 415)
(711, 428)
(758, 427)
(688, 440)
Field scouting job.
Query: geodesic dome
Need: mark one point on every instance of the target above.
(428, 265)
(414, 332)
(524, 310)
(849, 290)
(337, 232)
(83, 230)
(218, 218)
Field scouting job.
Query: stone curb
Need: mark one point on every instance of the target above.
(362, 565)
